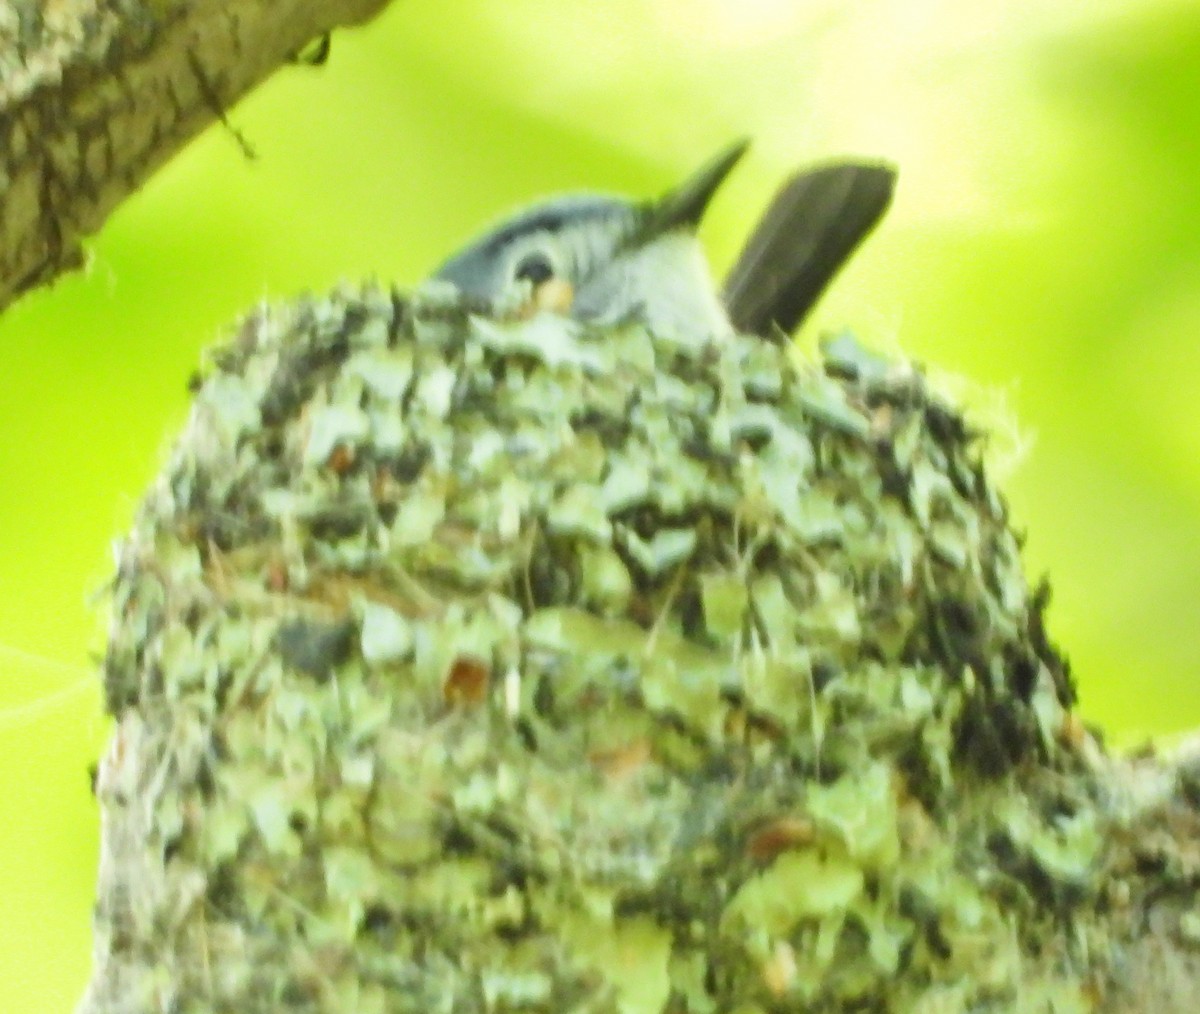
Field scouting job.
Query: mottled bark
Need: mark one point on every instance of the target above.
(1153, 872)
(95, 95)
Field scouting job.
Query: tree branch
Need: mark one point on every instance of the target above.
(95, 95)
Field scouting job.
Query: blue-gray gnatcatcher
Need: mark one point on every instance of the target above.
(609, 259)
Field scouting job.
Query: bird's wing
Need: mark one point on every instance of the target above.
(810, 229)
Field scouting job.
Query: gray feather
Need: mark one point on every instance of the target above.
(810, 229)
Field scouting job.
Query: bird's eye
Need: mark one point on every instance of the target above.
(534, 267)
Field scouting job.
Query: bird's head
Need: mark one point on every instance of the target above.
(603, 259)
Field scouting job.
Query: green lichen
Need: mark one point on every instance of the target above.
(465, 665)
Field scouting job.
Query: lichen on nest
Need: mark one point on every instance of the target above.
(464, 664)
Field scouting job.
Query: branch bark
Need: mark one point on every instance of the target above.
(95, 95)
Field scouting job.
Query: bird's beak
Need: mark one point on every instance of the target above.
(555, 295)
(683, 207)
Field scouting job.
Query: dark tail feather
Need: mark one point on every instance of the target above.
(815, 222)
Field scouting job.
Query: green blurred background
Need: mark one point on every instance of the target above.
(1043, 256)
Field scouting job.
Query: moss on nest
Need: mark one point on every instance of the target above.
(469, 665)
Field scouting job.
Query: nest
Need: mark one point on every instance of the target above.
(463, 665)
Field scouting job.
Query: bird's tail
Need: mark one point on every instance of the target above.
(810, 229)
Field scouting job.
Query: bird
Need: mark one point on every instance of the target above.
(608, 260)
